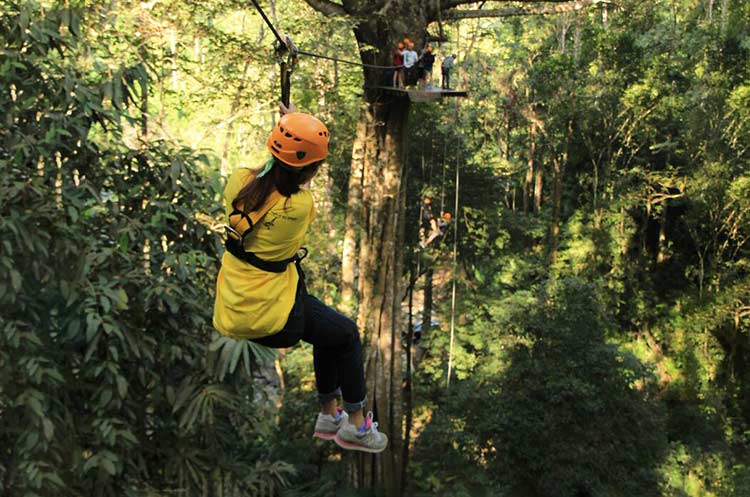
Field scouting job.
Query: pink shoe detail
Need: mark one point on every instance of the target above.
(354, 446)
(324, 436)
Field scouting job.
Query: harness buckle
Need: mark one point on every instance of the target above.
(232, 233)
(303, 251)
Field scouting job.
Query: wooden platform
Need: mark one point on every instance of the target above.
(430, 94)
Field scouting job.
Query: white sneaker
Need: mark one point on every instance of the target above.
(326, 425)
(365, 439)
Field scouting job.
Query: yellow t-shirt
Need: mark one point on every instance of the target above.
(250, 302)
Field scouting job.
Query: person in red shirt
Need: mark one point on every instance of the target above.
(398, 63)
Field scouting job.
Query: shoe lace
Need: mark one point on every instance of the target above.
(373, 424)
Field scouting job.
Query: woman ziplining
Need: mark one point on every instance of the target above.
(261, 293)
(260, 297)
(431, 227)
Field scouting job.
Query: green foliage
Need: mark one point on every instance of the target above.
(107, 264)
(114, 383)
(575, 416)
(548, 406)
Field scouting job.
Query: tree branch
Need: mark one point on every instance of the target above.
(448, 4)
(559, 8)
(327, 8)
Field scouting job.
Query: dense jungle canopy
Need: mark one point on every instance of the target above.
(581, 329)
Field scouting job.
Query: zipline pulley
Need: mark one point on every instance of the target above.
(286, 55)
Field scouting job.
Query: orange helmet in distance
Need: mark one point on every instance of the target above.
(299, 139)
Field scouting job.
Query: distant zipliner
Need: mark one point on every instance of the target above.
(431, 227)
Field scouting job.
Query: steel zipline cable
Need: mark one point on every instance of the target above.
(268, 21)
(343, 61)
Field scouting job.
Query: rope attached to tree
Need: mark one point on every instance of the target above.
(455, 268)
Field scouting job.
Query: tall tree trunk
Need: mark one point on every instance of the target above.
(427, 302)
(408, 395)
(507, 156)
(144, 109)
(58, 180)
(401, 405)
(558, 169)
(538, 185)
(323, 181)
(563, 38)
(530, 171)
(661, 255)
(559, 166)
(230, 121)
(577, 39)
(380, 267)
(173, 56)
(379, 155)
(379, 264)
(354, 210)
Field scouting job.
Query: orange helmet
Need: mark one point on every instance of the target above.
(407, 41)
(427, 200)
(299, 139)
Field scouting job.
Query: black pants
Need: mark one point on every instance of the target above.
(337, 350)
(446, 78)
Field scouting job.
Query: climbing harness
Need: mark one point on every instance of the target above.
(237, 233)
(296, 141)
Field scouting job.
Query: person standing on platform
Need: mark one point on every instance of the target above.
(428, 60)
(410, 58)
(398, 66)
(447, 67)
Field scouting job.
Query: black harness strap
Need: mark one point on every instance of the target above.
(235, 247)
(236, 235)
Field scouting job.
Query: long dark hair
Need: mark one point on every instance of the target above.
(285, 179)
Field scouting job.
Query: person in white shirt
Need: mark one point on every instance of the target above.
(410, 58)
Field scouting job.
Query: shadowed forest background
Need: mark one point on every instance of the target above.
(602, 318)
